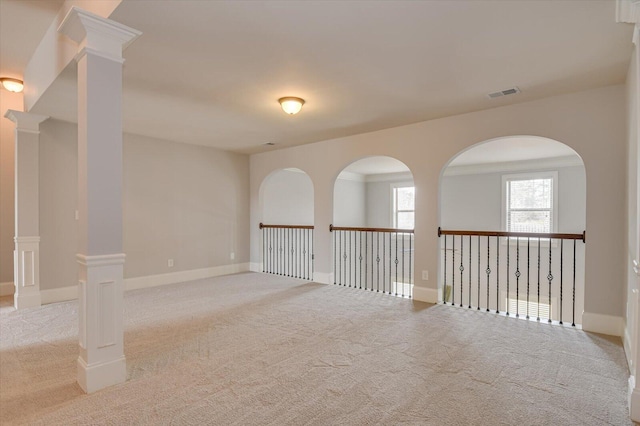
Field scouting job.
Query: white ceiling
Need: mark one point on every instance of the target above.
(210, 72)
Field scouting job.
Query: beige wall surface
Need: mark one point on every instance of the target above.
(8, 100)
(590, 122)
(182, 202)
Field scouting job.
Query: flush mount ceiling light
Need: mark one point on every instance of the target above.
(12, 84)
(291, 105)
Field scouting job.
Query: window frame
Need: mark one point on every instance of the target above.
(394, 210)
(553, 175)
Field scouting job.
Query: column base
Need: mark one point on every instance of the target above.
(634, 400)
(92, 378)
(30, 300)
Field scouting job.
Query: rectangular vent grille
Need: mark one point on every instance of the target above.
(506, 92)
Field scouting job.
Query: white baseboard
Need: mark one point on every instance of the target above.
(626, 344)
(7, 289)
(255, 267)
(322, 278)
(62, 294)
(423, 294)
(603, 324)
(183, 276)
(634, 400)
(70, 293)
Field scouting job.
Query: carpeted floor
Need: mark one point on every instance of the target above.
(253, 349)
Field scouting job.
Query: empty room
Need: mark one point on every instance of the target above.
(319, 212)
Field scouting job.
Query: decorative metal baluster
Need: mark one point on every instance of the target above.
(508, 271)
(470, 250)
(497, 275)
(411, 265)
(366, 257)
(453, 270)
(528, 264)
(335, 258)
(340, 259)
(298, 257)
(372, 258)
(461, 267)
(344, 258)
(561, 275)
(396, 262)
(488, 272)
(290, 247)
(538, 318)
(573, 315)
(549, 278)
(355, 251)
(306, 253)
(478, 272)
(444, 285)
(390, 262)
(517, 277)
(349, 251)
(403, 235)
(360, 259)
(313, 256)
(378, 262)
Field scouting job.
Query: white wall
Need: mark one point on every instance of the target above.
(8, 100)
(474, 202)
(349, 203)
(587, 121)
(379, 203)
(182, 202)
(287, 198)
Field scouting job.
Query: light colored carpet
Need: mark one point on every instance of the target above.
(253, 349)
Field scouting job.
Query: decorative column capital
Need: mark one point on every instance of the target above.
(628, 11)
(26, 121)
(96, 34)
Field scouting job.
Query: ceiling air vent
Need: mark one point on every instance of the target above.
(511, 91)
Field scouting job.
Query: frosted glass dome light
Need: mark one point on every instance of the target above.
(12, 84)
(291, 105)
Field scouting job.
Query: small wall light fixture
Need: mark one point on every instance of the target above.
(291, 105)
(12, 84)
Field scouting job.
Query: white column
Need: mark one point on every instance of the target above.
(634, 380)
(26, 257)
(100, 273)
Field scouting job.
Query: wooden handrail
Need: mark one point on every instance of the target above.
(262, 225)
(347, 228)
(516, 234)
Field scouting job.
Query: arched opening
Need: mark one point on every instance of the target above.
(373, 221)
(286, 199)
(512, 218)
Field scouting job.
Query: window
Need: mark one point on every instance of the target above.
(403, 206)
(530, 202)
